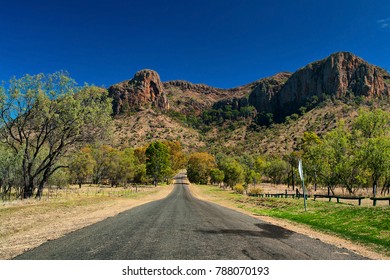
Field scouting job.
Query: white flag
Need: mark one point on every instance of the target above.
(300, 169)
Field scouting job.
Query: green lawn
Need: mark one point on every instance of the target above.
(365, 224)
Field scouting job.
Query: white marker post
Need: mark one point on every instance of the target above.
(300, 169)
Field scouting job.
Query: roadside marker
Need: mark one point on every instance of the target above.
(300, 169)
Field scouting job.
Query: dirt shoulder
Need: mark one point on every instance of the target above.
(199, 193)
(24, 229)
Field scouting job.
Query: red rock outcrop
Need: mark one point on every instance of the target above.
(145, 90)
(342, 75)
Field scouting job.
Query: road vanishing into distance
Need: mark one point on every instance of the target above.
(183, 227)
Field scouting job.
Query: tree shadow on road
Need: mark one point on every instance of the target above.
(267, 230)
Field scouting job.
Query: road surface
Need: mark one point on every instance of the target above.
(183, 227)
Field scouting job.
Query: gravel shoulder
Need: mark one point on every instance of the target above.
(199, 193)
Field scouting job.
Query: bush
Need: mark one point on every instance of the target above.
(255, 190)
(239, 189)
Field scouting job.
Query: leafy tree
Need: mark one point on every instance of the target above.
(265, 119)
(334, 152)
(260, 165)
(43, 117)
(233, 170)
(371, 130)
(199, 167)
(277, 170)
(372, 124)
(292, 159)
(10, 170)
(177, 157)
(60, 178)
(140, 173)
(251, 175)
(127, 164)
(248, 112)
(311, 155)
(140, 165)
(217, 176)
(112, 167)
(309, 138)
(157, 161)
(101, 155)
(140, 154)
(351, 159)
(376, 159)
(337, 159)
(120, 166)
(81, 165)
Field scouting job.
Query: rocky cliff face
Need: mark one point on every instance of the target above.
(341, 75)
(336, 75)
(264, 95)
(145, 90)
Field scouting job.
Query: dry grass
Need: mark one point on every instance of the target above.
(27, 224)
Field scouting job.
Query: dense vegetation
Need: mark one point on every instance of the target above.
(228, 110)
(350, 158)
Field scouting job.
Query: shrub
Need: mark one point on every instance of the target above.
(255, 190)
(239, 189)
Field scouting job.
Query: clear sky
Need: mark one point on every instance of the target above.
(223, 43)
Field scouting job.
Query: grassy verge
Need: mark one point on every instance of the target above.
(363, 224)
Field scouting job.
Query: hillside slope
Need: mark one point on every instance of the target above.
(149, 125)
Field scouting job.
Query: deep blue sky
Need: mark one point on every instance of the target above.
(221, 43)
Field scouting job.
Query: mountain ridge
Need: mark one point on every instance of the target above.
(282, 94)
(220, 119)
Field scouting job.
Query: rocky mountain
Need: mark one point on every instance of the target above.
(143, 91)
(199, 115)
(341, 75)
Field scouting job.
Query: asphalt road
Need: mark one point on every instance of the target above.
(183, 227)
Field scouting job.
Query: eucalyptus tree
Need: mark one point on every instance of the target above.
(233, 170)
(200, 167)
(43, 117)
(158, 165)
(372, 133)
